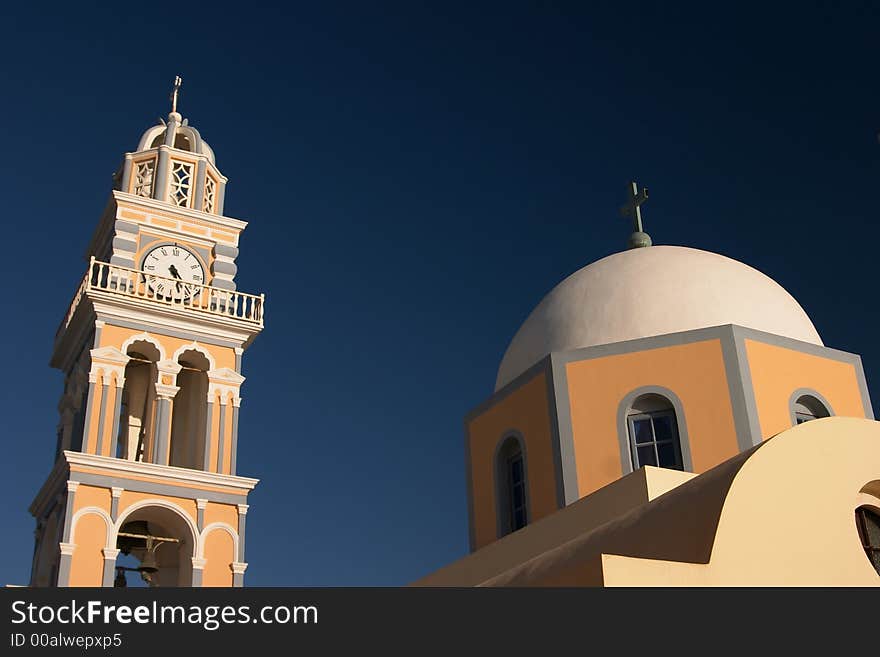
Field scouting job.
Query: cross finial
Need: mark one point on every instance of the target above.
(632, 209)
(176, 90)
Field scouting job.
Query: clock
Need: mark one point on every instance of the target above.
(173, 271)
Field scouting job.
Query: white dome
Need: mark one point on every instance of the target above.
(652, 291)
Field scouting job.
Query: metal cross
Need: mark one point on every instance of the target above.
(632, 209)
(177, 83)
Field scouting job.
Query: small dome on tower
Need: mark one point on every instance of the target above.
(184, 137)
(648, 292)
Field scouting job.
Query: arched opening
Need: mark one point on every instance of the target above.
(137, 414)
(868, 524)
(653, 433)
(511, 483)
(156, 546)
(159, 140)
(182, 142)
(190, 414)
(808, 407)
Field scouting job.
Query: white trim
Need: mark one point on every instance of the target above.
(110, 543)
(165, 504)
(238, 567)
(198, 563)
(195, 346)
(124, 467)
(67, 548)
(157, 205)
(144, 337)
(217, 525)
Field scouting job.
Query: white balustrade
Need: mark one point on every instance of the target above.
(132, 283)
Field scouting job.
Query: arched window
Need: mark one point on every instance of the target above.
(190, 413)
(510, 476)
(868, 523)
(808, 407)
(653, 433)
(136, 424)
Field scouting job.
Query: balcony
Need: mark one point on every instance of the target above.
(103, 279)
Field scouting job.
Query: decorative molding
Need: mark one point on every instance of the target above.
(185, 475)
(67, 549)
(238, 567)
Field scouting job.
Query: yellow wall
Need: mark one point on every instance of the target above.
(777, 372)
(526, 411)
(695, 372)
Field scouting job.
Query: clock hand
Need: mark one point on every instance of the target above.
(174, 272)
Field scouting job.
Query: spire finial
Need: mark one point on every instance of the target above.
(177, 82)
(639, 238)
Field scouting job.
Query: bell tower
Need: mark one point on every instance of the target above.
(145, 478)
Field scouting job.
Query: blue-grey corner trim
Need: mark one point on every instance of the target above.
(565, 437)
(64, 569)
(469, 488)
(109, 572)
(242, 526)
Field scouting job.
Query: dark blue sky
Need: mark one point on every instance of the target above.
(416, 178)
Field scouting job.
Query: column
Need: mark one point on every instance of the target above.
(109, 576)
(198, 568)
(117, 412)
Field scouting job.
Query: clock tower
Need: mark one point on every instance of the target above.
(144, 487)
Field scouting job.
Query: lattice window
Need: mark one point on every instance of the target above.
(143, 178)
(181, 183)
(210, 193)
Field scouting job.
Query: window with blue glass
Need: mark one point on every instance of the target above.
(653, 434)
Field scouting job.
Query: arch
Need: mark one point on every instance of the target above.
(108, 522)
(189, 417)
(511, 443)
(149, 137)
(144, 337)
(629, 404)
(164, 504)
(807, 404)
(214, 526)
(171, 565)
(195, 346)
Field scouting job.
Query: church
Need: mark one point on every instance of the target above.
(665, 416)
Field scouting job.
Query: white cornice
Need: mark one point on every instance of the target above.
(122, 467)
(197, 215)
(109, 306)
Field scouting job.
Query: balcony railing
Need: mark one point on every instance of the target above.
(135, 284)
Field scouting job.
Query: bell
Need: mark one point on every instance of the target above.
(148, 564)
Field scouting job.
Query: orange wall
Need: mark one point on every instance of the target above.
(87, 566)
(695, 372)
(115, 336)
(525, 410)
(91, 496)
(777, 372)
(219, 552)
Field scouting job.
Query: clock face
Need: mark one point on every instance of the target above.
(174, 271)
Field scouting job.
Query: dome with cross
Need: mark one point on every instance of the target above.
(651, 291)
